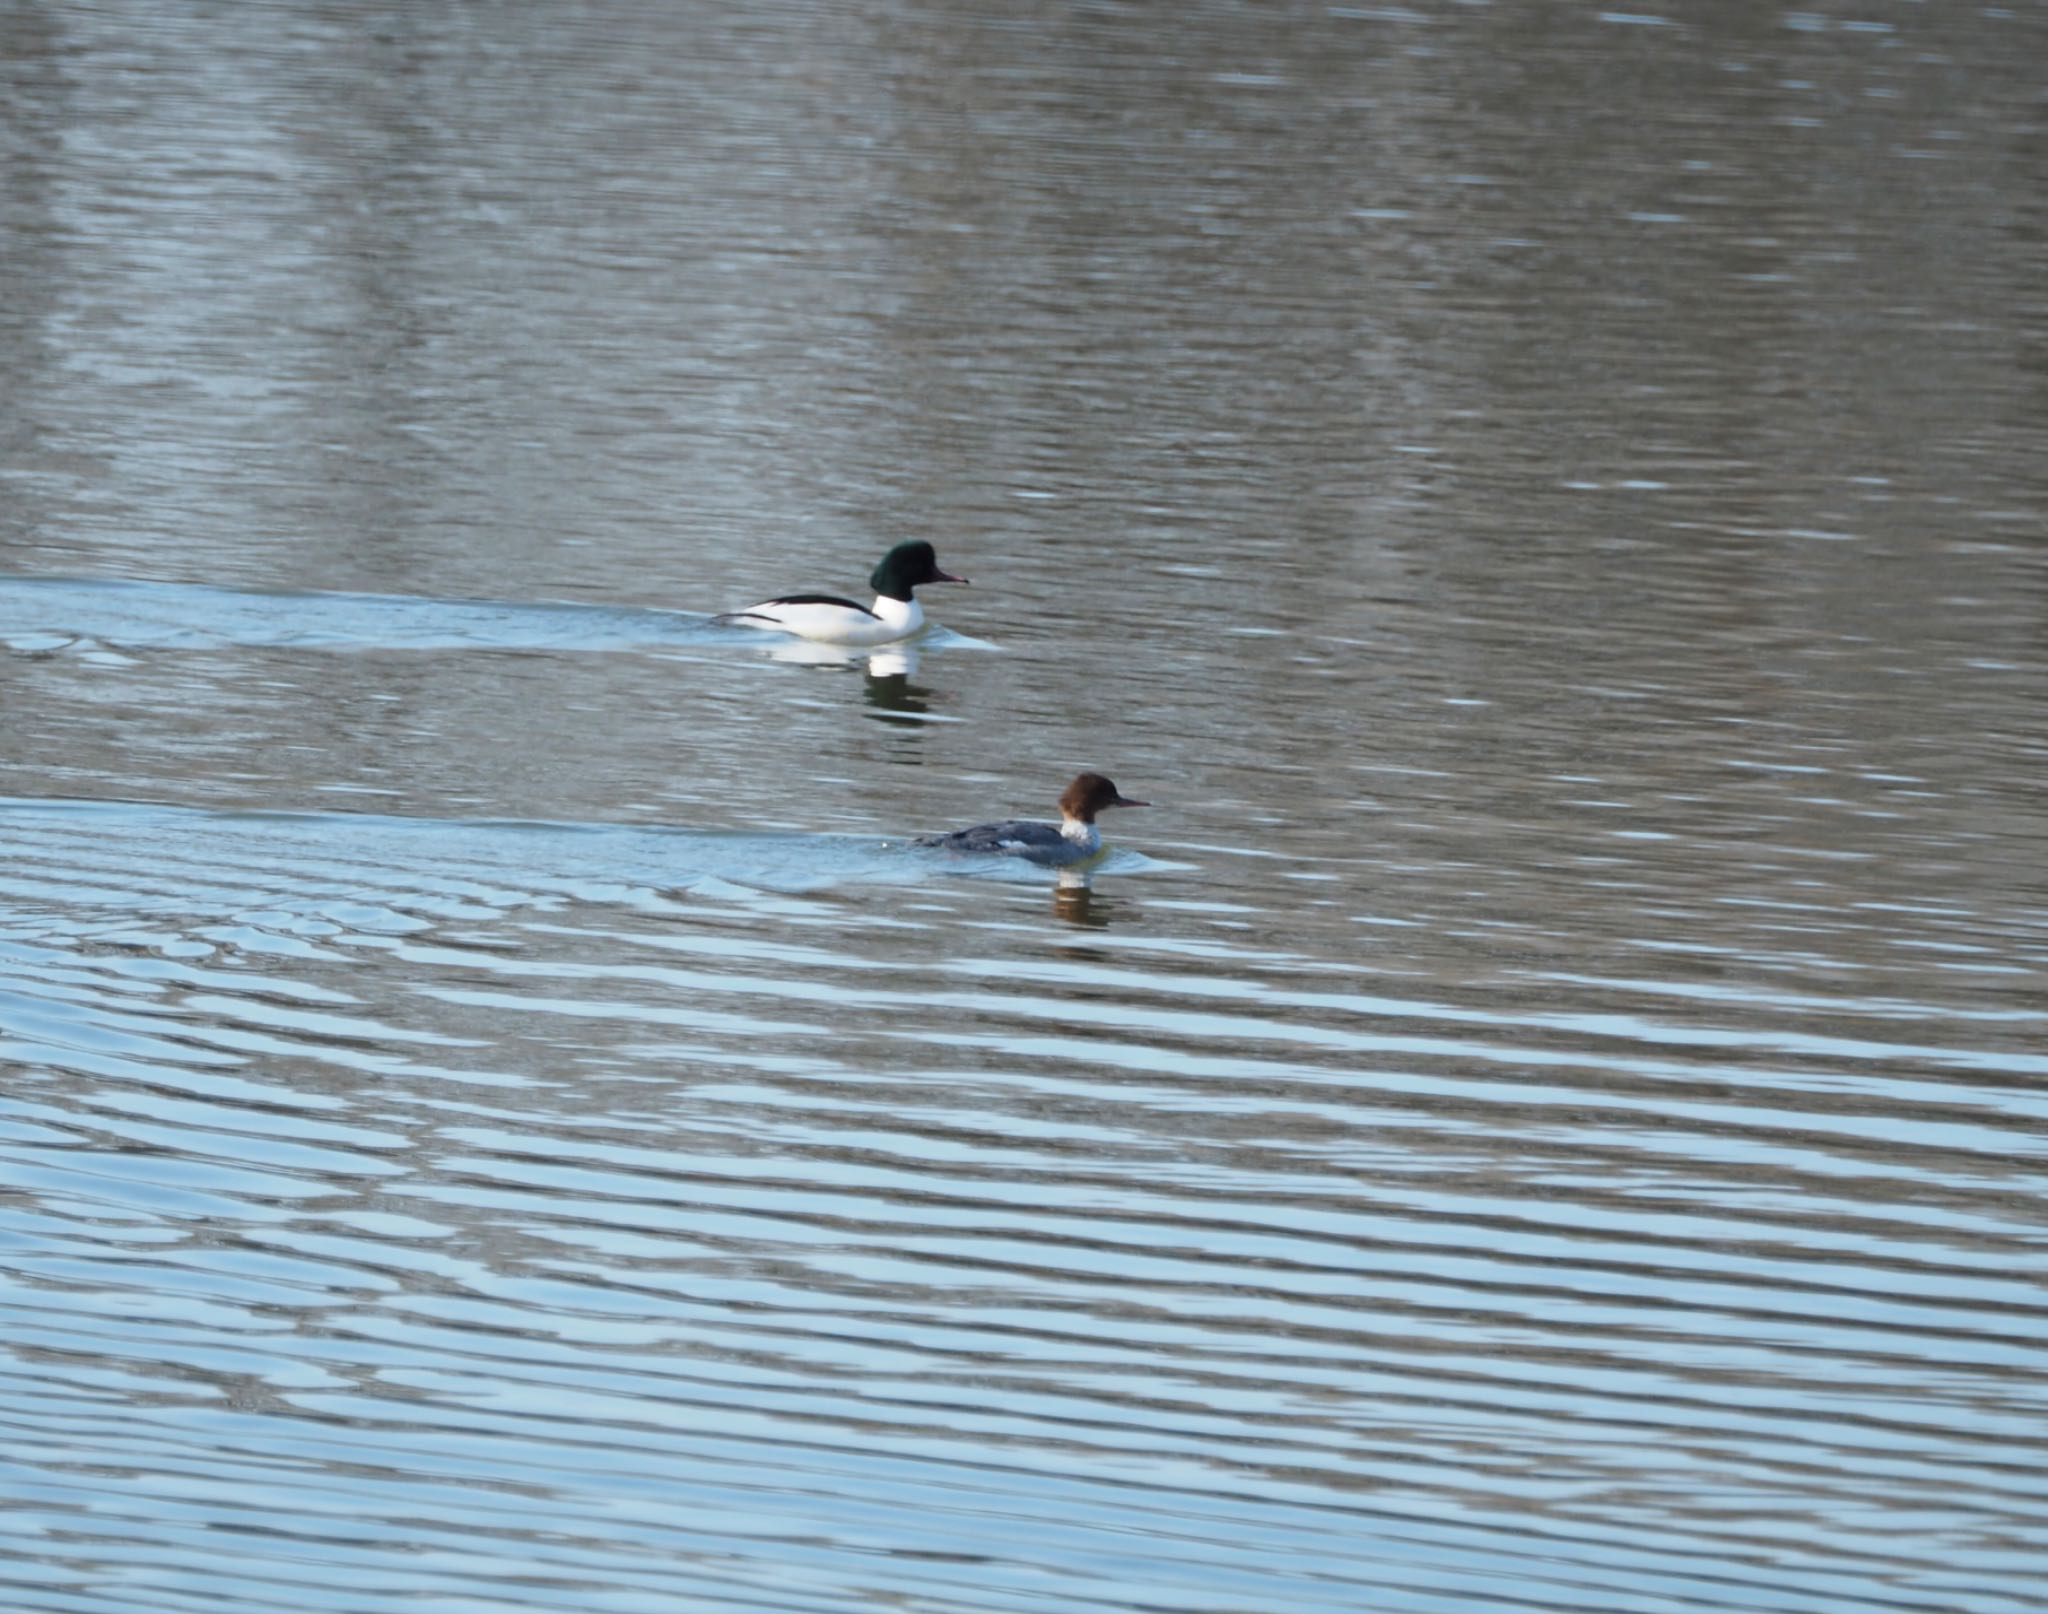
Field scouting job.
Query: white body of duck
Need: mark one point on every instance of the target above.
(1074, 839)
(829, 619)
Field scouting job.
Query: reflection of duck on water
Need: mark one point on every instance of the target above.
(888, 687)
(887, 672)
(1075, 901)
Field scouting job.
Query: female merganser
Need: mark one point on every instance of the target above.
(1073, 840)
(832, 620)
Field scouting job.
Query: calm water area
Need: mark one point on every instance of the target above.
(1547, 1113)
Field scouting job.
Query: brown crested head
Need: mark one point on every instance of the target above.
(1089, 794)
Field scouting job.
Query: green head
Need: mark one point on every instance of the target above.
(906, 566)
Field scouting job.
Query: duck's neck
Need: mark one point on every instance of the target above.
(1084, 835)
(905, 614)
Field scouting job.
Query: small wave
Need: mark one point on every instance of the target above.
(106, 616)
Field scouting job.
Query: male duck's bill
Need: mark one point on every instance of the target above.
(1074, 839)
(831, 619)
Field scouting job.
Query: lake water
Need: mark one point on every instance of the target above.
(1547, 1111)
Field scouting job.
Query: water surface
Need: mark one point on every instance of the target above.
(1545, 1112)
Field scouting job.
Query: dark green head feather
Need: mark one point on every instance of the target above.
(906, 566)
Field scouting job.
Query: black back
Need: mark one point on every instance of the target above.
(818, 599)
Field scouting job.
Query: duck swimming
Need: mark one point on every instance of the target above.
(830, 619)
(1074, 839)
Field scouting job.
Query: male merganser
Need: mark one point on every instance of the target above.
(1074, 839)
(832, 620)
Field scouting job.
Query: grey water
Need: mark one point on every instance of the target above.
(1547, 1110)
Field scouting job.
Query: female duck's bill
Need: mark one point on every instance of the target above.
(832, 619)
(1073, 839)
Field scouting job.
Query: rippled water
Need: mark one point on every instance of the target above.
(1547, 1111)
